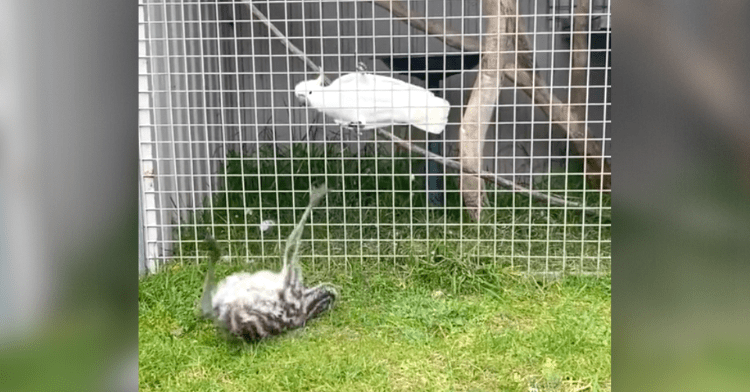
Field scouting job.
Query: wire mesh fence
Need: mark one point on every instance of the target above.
(227, 150)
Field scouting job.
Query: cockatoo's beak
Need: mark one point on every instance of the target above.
(302, 90)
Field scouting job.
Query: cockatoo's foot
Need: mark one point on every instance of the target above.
(354, 125)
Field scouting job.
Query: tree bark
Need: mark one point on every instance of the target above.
(483, 102)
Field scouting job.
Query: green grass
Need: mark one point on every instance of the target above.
(394, 329)
(376, 207)
(430, 301)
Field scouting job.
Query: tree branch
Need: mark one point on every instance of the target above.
(449, 36)
(579, 58)
(498, 180)
(289, 45)
(598, 169)
(553, 200)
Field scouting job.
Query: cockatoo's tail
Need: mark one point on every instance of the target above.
(372, 101)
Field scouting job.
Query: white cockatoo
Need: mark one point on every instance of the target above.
(369, 101)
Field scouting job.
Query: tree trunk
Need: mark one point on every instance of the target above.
(580, 59)
(597, 169)
(483, 102)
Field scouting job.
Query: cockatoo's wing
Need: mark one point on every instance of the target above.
(345, 100)
(374, 101)
(354, 80)
(428, 112)
(414, 105)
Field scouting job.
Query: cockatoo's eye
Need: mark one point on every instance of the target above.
(309, 92)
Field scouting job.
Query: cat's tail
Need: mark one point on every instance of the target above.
(294, 239)
(214, 254)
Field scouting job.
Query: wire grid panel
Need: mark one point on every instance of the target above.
(226, 149)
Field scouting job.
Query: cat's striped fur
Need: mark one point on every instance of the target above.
(259, 305)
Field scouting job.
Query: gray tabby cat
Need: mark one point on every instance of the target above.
(259, 305)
